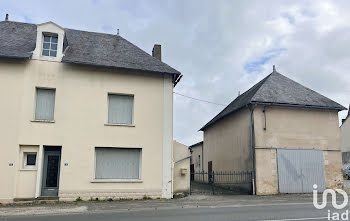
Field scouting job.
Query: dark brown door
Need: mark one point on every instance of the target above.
(210, 171)
(192, 171)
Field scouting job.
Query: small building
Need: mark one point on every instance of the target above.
(286, 134)
(83, 114)
(197, 156)
(181, 172)
(345, 139)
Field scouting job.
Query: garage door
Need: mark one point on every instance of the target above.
(299, 170)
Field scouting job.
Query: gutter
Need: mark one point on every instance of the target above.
(298, 105)
(177, 80)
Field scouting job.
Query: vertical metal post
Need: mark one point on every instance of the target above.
(213, 183)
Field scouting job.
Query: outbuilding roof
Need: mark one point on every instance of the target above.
(277, 89)
(199, 143)
(18, 40)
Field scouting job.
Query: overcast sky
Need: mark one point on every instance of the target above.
(221, 47)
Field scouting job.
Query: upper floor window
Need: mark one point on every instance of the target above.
(50, 45)
(45, 104)
(120, 109)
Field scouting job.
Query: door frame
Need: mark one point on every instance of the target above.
(50, 150)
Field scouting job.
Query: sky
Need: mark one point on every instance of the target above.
(221, 47)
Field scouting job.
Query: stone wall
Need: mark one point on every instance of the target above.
(266, 171)
(333, 172)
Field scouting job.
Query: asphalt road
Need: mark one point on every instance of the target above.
(294, 211)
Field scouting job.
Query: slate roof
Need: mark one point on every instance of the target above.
(18, 40)
(277, 89)
(201, 142)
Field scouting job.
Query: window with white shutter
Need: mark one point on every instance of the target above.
(118, 163)
(120, 109)
(45, 104)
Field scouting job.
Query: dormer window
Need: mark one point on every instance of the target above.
(50, 45)
(49, 42)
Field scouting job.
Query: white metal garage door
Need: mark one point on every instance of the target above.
(299, 170)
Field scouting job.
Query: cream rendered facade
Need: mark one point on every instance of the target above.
(181, 169)
(80, 125)
(295, 128)
(345, 140)
(227, 143)
(197, 156)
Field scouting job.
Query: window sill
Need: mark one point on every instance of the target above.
(122, 125)
(43, 121)
(34, 169)
(116, 181)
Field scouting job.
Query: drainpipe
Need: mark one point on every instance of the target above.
(202, 157)
(252, 145)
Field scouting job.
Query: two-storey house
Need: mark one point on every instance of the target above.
(83, 114)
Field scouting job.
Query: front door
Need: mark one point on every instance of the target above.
(51, 172)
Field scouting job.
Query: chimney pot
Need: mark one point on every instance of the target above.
(7, 17)
(157, 52)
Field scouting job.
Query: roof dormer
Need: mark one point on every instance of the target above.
(49, 42)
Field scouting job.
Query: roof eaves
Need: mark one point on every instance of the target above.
(201, 142)
(255, 87)
(222, 117)
(340, 108)
(115, 67)
(16, 56)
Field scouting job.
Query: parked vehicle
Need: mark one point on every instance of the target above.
(347, 172)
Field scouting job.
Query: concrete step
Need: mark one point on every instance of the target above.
(40, 200)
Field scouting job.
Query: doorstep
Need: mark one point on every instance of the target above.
(41, 199)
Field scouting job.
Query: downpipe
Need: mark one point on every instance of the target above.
(252, 145)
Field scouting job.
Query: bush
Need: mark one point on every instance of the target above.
(146, 197)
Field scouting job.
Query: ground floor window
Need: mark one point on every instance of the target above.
(29, 160)
(118, 163)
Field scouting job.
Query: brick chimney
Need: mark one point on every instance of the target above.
(157, 52)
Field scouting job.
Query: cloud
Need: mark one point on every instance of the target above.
(256, 65)
(221, 47)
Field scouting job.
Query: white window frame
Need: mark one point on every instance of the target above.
(139, 180)
(35, 99)
(132, 114)
(49, 28)
(29, 167)
(43, 41)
